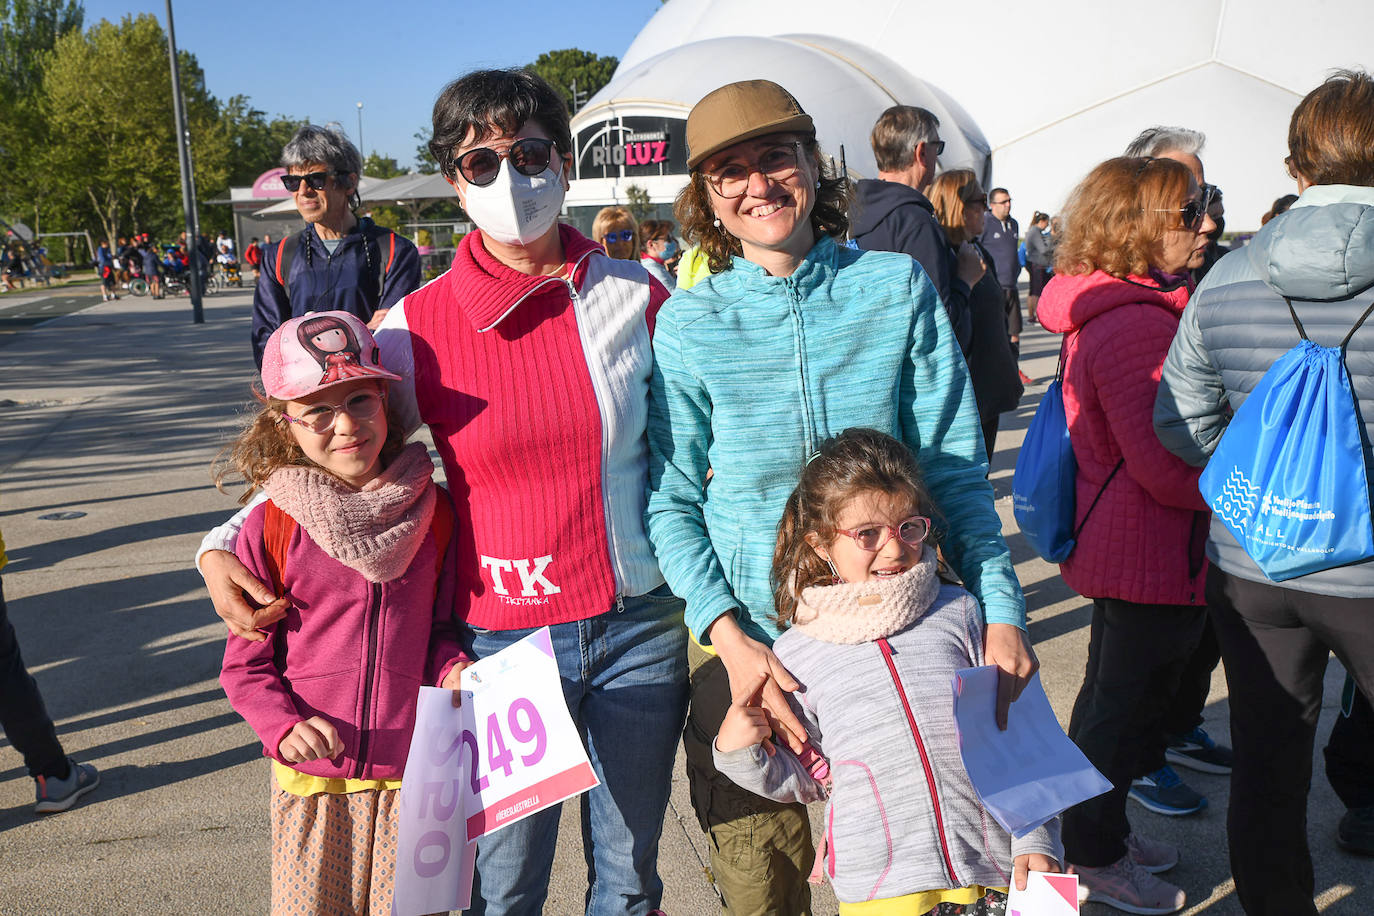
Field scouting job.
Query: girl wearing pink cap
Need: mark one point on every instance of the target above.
(357, 536)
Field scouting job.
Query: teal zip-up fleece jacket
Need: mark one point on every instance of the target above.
(752, 372)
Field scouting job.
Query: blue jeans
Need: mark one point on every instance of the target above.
(624, 677)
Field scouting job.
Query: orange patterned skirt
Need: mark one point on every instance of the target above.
(334, 854)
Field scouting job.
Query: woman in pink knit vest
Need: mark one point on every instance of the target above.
(529, 362)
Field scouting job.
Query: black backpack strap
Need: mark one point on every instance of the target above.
(1101, 490)
(1347, 337)
(1302, 332)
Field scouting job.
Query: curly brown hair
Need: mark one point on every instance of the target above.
(856, 461)
(829, 214)
(266, 444)
(1118, 214)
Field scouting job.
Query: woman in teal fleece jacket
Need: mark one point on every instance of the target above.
(793, 340)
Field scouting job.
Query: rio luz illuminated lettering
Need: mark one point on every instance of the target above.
(638, 149)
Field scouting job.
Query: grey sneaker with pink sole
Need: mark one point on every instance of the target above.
(1128, 887)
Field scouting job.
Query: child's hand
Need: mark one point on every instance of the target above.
(452, 680)
(313, 739)
(1035, 861)
(745, 723)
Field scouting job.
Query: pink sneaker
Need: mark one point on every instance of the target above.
(1128, 887)
(1154, 856)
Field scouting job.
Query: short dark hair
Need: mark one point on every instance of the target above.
(488, 102)
(997, 191)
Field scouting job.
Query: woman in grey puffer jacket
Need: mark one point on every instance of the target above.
(1275, 638)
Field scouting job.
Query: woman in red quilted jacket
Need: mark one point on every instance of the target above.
(1135, 227)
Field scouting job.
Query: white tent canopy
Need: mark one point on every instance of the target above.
(842, 85)
(1058, 86)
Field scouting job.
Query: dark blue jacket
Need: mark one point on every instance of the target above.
(344, 281)
(1001, 244)
(895, 217)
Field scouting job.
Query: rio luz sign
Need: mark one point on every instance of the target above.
(640, 149)
(631, 147)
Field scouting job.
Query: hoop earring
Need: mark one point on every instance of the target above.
(818, 184)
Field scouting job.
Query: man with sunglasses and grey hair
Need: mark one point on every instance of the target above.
(892, 212)
(339, 261)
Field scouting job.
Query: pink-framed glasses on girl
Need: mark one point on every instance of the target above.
(911, 531)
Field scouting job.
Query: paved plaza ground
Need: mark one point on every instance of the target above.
(116, 411)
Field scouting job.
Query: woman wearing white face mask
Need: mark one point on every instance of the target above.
(529, 361)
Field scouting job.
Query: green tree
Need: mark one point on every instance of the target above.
(255, 143)
(638, 202)
(425, 163)
(111, 151)
(561, 69)
(379, 166)
(28, 31)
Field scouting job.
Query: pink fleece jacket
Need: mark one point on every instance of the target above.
(1144, 540)
(352, 651)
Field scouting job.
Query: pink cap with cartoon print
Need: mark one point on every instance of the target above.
(319, 350)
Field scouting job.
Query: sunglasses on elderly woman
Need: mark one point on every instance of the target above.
(624, 235)
(1193, 212)
(528, 156)
(315, 180)
(871, 538)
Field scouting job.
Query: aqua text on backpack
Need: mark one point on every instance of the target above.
(1288, 478)
(1043, 497)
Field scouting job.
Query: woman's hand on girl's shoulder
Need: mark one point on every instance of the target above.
(228, 581)
(1022, 865)
(316, 738)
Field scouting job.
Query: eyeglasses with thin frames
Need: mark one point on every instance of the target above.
(871, 538)
(777, 163)
(320, 418)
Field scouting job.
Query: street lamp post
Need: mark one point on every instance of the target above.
(188, 191)
(362, 151)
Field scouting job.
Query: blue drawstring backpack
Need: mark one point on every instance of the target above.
(1042, 487)
(1288, 478)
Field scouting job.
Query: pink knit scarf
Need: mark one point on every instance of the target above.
(376, 530)
(856, 612)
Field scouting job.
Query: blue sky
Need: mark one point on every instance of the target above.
(394, 57)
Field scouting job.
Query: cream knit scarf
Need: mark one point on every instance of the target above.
(857, 612)
(376, 530)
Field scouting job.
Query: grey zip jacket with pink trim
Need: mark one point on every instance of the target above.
(902, 816)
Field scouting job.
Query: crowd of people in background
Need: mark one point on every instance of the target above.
(766, 468)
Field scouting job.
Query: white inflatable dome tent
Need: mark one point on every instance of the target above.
(1057, 86)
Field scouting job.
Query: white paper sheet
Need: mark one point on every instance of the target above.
(1029, 773)
(1045, 895)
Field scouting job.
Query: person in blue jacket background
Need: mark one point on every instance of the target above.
(339, 261)
(792, 340)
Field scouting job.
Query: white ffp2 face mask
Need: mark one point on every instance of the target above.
(516, 209)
